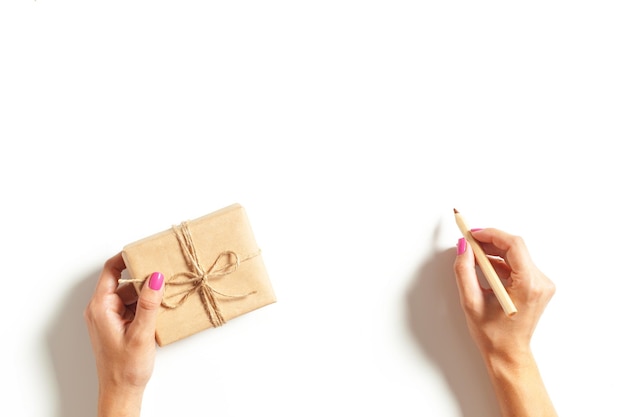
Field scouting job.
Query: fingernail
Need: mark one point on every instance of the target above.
(461, 245)
(476, 229)
(156, 281)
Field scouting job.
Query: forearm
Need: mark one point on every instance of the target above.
(518, 386)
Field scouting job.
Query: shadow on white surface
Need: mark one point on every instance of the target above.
(438, 325)
(71, 354)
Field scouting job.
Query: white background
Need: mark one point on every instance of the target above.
(348, 130)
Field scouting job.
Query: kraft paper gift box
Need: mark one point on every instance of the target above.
(213, 272)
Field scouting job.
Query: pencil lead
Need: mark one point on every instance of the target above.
(455, 211)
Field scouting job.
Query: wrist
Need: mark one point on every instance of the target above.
(509, 363)
(118, 401)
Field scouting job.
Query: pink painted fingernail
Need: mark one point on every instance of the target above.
(156, 281)
(461, 245)
(476, 229)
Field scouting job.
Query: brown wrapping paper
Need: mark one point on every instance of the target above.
(231, 270)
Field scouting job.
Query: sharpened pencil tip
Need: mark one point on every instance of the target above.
(455, 211)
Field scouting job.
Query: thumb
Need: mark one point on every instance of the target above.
(470, 293)
(148, 305)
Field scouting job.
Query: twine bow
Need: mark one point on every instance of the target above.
(197, 279)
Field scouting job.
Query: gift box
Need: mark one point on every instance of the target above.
(213, 272)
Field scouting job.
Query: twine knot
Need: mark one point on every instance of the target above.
(198, 278)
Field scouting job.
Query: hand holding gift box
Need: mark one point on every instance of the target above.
(213, 272)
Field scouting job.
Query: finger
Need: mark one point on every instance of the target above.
(111, 273)
(105, 301)
(148, 305)
(470, 292)
(485, 238)
(510, 247)
(128, 294)
(502, 268)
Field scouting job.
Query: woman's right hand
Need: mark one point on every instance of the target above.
(530, 290)
(504, 341)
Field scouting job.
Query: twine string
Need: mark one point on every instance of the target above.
(197, 279)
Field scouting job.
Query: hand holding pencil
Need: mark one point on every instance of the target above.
(502, 339)
(529, 288)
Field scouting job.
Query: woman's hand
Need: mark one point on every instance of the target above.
(528, 287)
(504, 341)
(122, 334)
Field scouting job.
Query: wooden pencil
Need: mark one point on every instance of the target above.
(485, 265)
